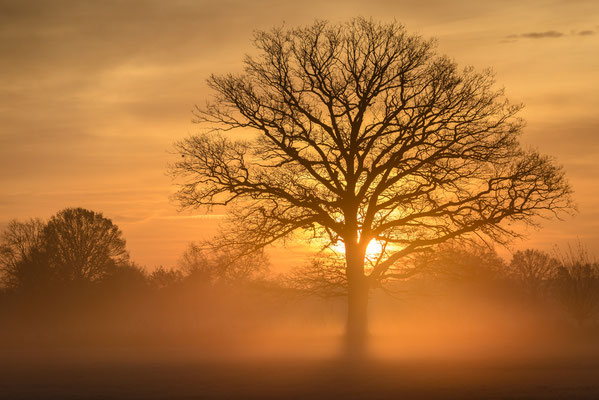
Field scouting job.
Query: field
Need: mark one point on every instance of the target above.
(184, 374)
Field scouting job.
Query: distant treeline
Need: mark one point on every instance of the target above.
(72, 273)
(569, 279)
(78, 247)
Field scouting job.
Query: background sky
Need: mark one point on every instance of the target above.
(94, 93)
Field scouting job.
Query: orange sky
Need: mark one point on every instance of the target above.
(93, 94)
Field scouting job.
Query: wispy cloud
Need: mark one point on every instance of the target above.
(552, 34)
(538, 35)
(198, 216)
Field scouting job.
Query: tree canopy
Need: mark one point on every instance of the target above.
(359, 131)
(75, 245)
(356, 132)
(82, 244)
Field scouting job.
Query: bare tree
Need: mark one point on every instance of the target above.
(83, 246)
(357, 132)
(163, 278)
(21, 254)
(324, 276)
(210, 262)
(533, 270)
(455, 261)
(577, 283)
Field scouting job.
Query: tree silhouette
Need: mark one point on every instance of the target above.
(74, 246)
(577, 283)
(577, 287)
(22, 262)
(357, 132)
(458, 262)
(533, 269)
(83, 246)
(162, 278)
(212, 263)
(324, 276)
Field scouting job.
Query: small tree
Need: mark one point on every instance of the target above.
(358, 132)
(324, 276)
(125, 277)
(533, 270)
(577, 284)
(164, 278)
(22, 258)
(211, 263)
(83, 246)
(458, 262)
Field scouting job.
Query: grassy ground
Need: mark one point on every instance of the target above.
(128, 376)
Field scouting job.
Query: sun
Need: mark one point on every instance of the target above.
(374, 249)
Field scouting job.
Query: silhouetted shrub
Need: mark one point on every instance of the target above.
(23, 261)
(211, 263)
(533, 270)
(162, 278)
(577, 288)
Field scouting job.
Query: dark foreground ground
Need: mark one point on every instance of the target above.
(100, 377)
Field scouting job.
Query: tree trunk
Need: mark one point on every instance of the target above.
(357, 304)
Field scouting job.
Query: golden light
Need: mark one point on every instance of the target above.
(373, 250)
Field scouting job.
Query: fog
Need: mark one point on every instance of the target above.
(463, 320)
(468, 325)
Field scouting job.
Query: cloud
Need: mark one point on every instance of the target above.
(541, 35)
(537, 35)
(547, 35)
(198, 216)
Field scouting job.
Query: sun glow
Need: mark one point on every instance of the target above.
(374, 249)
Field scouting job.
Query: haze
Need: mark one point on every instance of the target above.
(93, 94)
